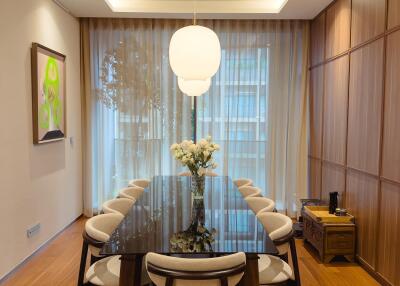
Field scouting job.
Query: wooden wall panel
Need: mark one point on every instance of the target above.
(362, 202)
(316, 100)
(318, 39)
(391, 140)
(314, 182)
(338, 28)
(367, 20)
(365, 105)
(335, 110)
(333, 180)
(389, 234)
(393, 13)
(352, 127)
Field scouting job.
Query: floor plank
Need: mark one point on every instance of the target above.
(57, 264)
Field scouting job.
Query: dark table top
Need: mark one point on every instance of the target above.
(165, 208)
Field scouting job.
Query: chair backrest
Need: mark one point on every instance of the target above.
(101, 227)
(277, 226)
(251, 191)
(142, 183)
(132, 193)
(185, 174)
(167, 270)
(98, 230)
(243, 182)
(210, 173)
(260, 204)
(188, 174)
(119, 206)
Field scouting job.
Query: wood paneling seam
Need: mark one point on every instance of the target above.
(323, 108)
(359, 46)
(378, 216)
(348, 106)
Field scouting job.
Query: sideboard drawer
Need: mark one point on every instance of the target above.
(343, 240)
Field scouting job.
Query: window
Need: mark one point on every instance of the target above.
(235, 111)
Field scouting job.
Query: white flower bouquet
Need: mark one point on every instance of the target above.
(198, 157)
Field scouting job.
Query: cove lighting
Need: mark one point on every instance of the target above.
(203, 6)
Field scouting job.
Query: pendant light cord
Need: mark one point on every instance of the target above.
(194, 12)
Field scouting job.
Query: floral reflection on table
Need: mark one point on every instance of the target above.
(196, 238)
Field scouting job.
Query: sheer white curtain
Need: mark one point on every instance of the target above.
(256, 106)
(134, 108)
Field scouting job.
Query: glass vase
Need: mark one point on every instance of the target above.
(197, 186)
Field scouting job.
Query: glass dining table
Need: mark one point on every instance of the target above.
(162, 221)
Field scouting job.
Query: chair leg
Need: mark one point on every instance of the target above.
(93, 259)
(82, 265)
(284, 257)
(295, 263)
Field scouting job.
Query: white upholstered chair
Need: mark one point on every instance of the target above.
(251, 191)
(277, 226)
(133, 193)
(105, 271)
(98, 230)
(272, 269)
(243, 182)
(260, 204)
(119, 206)
(142, 183)
(221, 271)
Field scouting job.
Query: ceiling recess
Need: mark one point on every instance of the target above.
(202, 6)
(205, 9)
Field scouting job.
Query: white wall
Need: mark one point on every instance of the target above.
(37, 183)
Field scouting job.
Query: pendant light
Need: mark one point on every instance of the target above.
(194, 87)
(194, 56)
(194, 53)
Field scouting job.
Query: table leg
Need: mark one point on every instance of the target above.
(128, 275)
(138, 270)
(250, 277)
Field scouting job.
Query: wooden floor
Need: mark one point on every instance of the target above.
(58, 263)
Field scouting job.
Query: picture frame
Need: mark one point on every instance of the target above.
(48, 94)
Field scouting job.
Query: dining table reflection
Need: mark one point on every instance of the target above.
(167, 219)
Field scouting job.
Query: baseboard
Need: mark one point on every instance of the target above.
(44, 244)
(371, 271)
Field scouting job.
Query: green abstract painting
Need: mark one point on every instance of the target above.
(48, 77)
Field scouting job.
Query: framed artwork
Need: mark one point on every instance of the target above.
(48, 94)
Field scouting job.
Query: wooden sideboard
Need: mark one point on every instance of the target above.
(330, 239)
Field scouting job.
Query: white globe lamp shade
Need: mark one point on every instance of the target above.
(194, 53)
(194, 87)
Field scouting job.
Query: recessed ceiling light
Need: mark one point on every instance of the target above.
(203, 6)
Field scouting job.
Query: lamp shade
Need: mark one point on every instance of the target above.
(194, 87)
(194, 53)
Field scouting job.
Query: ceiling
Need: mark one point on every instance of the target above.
(206, 9)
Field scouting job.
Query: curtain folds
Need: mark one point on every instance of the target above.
(255, 108)
(134, 110)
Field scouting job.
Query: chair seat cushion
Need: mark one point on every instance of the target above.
(272, 269)
(105, 272)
